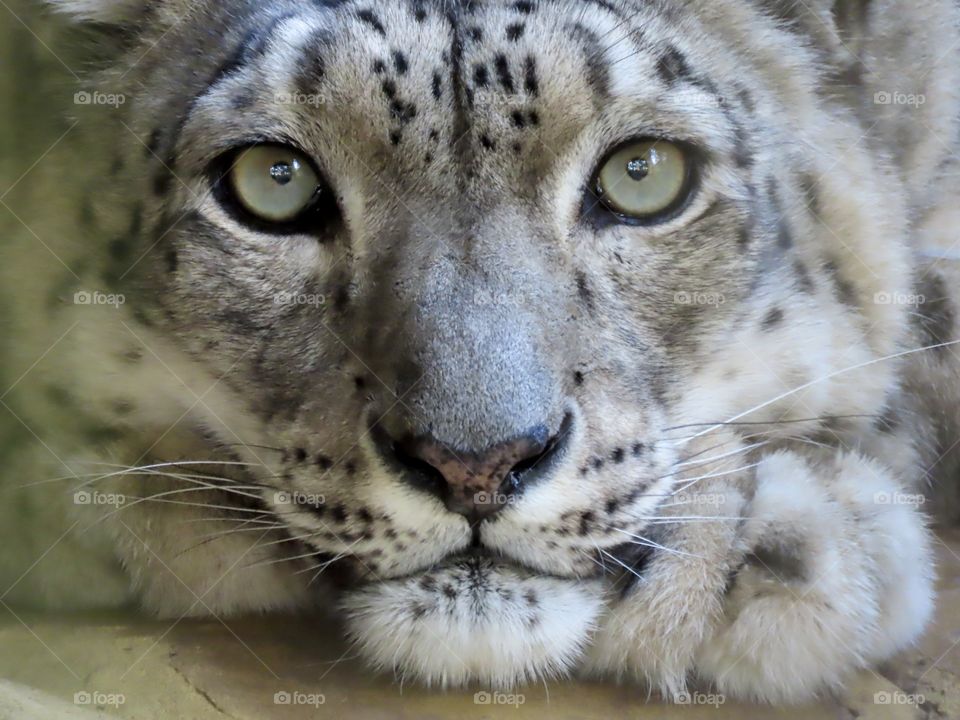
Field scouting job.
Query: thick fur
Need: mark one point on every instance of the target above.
(751, 411)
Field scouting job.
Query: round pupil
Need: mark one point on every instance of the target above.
(638, 168)
(282, 172)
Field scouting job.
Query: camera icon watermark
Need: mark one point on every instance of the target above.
(96, 298)
(710, 299)
(493, 498)
(899, 498)
(712, 500)
(897, 697)
(86, 97)
(297, 498)
(498, 698)
(699, 698)
(301, 98)
(294, 697)
(93, 497)
(294, 299)
(898, 298)
(99, 699)
(885, 97)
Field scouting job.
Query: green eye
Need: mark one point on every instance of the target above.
(644, 180)
(274, 183)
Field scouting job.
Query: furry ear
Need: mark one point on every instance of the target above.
(105, 11)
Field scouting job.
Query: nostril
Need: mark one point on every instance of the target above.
(418, 472)
(474, 484)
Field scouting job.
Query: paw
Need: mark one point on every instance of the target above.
(837, 577)
(653, 629)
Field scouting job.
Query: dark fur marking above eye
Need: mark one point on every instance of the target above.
(516, 31)
(672, 67)
(369, 17)
(773, 318)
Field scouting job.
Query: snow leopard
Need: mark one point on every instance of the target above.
(535, 339)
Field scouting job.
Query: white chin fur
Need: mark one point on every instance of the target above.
(473, 621)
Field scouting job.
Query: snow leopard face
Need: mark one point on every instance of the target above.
(470, 276)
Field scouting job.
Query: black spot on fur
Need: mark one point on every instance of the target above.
(153, 143)
(515, 31)
(523, 6)
(534, 117)
(299, 454)
(888, 422)
(811, 191)
(481, 76)
(638, 449)
(379, 67)
(612, 506)
(449, 591)
(395, 137)
(323, 462)
(369, 17)
(339, 513)
(400, 63)
(486, 142)
(519, 120)
(531, 81)
(437, 86)
(783, 559)
(804, 280)
(773, 318)
(578, 378)
(583, 290)
(503, 73)
(172, 260)
(389, 88)
(476, 34)
(845, 291)
(618, 455)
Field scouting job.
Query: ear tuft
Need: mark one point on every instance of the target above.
(105, 11)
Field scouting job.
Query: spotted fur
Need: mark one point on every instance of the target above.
(747, 395)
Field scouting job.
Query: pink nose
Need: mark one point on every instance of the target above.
(475, 485)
